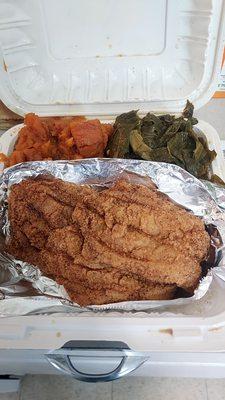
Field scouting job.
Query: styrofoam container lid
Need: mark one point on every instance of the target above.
(105, 57)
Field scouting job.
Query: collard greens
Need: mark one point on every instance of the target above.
(163, 138)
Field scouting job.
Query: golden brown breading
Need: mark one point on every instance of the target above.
(86, 295)
(137, 228)
(129, 242)
(88, 286)
(151, 212)
(67, 240)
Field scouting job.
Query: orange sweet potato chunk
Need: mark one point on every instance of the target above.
(17, 157)
(89, 138)
(57, 138)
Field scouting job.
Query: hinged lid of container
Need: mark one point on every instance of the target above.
(105, 57)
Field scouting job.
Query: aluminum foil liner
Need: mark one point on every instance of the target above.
(23, 288)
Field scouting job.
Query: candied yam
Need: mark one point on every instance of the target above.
(37, 146)
(77, 156)
(87, 125)
(29, 119)
(35, 123)
(16, 157)
(65, 134)
(89, 138)
(23, 134)
(46, 149)
(4, 159)
(32, 155)
(69, 142)
(57, 124)
(25, 143)
(107, 130)
(64, 152)
(59, 138)
(78, 118)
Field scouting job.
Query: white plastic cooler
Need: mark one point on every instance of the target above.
(101, 58)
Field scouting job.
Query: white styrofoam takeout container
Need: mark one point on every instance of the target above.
(101, 58)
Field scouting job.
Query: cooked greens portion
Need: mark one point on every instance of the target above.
(119, 143)
(163, 138)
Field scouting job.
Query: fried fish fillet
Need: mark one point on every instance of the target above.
(86, 295)
(99, 286)
(87, 285)
(129, 242)
(136, 228)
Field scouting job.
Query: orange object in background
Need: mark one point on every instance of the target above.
(57, 138)
(220, 93)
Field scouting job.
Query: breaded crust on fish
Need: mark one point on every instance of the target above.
(128, 242)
